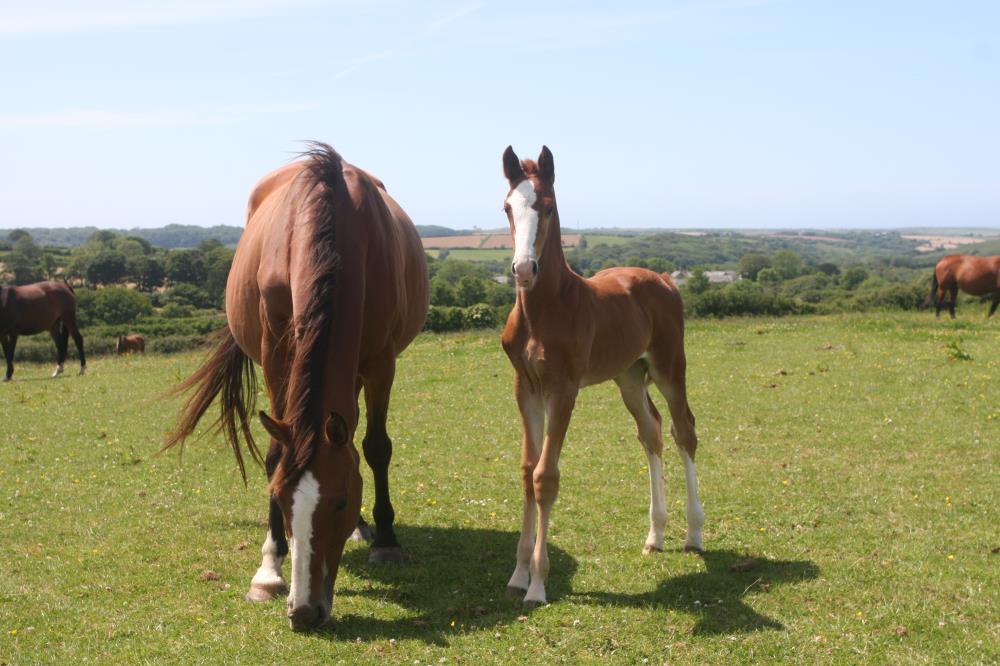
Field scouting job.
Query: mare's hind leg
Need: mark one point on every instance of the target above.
(378, 453)
(670, 380)
(993, 306)
(60, 335)
(9, 344)
(69, 322)
(953, 291)
(632, 385)
(267, 583)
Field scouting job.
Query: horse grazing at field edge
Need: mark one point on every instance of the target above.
(34, 308)
(566, 332)
(328, 286)
(974, 275)
(127, 344)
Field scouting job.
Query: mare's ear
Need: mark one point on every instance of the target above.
(336, 429)
(278, 430)
(546, 166)
(512, 166)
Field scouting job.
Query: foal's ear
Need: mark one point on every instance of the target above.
(512, 166)
(546, 166)
(276, 429)
(336, 429)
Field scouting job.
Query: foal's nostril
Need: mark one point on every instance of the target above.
(534, 267)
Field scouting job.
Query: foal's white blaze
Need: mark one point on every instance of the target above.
(525, 220)
(695, 514)
(304, 502)
(657, 503)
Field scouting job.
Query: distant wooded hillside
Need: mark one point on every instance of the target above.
(172, 236)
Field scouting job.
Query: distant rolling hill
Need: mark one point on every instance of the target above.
(172, 236)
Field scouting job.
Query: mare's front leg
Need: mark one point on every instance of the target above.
(378, 453)
(9, 344)
(559, 409)
(268, 583)
(532, 410)
(993, 306)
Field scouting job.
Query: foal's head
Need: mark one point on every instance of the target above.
(530, 206)
(320, 501)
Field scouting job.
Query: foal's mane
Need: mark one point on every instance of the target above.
(312, 328)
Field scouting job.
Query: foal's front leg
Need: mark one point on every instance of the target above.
(559, 408)
(532, 424)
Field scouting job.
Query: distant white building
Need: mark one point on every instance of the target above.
(714, 277)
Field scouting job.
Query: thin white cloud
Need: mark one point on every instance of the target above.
(61, 16)
(102, 119)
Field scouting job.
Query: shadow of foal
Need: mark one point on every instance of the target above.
(451, 574)
(720, 590)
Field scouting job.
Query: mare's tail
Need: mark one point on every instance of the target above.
(69, 285)
(228, 373)
(934, 292)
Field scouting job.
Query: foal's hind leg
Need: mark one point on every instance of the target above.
(632, 385)
(9, 344)
(378, 453)
(60, 335)
(670, 381)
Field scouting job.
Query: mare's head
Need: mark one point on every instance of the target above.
(317, 484)
(530, 206)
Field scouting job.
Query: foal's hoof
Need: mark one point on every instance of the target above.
(386, 555)
(260, 593)
(83, 370)
(532, 604)
(649, 550)
(362, 533)
(515, 592)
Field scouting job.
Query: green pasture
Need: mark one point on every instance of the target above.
(848, 465)
(478, 254)
(593, 240)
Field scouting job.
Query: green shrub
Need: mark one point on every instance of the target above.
(176, 311)
(441, 319)
(188, 294)
(479, 315)
(117, 305)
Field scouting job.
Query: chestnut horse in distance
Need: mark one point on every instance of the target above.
(34, 308)
(127, 344)
(974, 275)
(566, 332)
(328, 286)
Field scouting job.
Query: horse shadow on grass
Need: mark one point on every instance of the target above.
(716, 595)
(453, 581)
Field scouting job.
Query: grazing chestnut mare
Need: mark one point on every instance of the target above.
(328, 286)
(126, 344)
(973, 275)
(566, 332)
(33, 308)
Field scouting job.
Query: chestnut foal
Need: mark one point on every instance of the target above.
(566, 332)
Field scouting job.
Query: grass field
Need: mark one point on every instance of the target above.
(853, 459)
(478, 254)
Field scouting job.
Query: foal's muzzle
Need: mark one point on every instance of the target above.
(524, 271)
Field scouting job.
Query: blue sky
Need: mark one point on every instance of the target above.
(717, 113)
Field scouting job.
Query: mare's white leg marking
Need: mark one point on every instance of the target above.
(525, 219)
(695, 514)
(657, 504)
(268, 576)
(59, 370)
(304, 502)
(83, 369)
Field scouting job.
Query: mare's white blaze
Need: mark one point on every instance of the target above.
(525, 219)
(269, 573)
(657, 502)
(304, 502)
(695, 514)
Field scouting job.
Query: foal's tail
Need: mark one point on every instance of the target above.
(230, 373)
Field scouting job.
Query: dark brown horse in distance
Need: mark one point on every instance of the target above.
(127, 344)
(974, 275)
(34, 308)
(566, 332)
(328, 286)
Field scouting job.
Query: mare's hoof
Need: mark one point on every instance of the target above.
(532, 604)
(6, 379)
(515, 592)
(694, 549)
(649, 550)
(83, 370)
(386, 555)
(362, 533)
(260, 593)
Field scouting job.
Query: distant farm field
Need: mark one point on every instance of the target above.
(848, 465)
